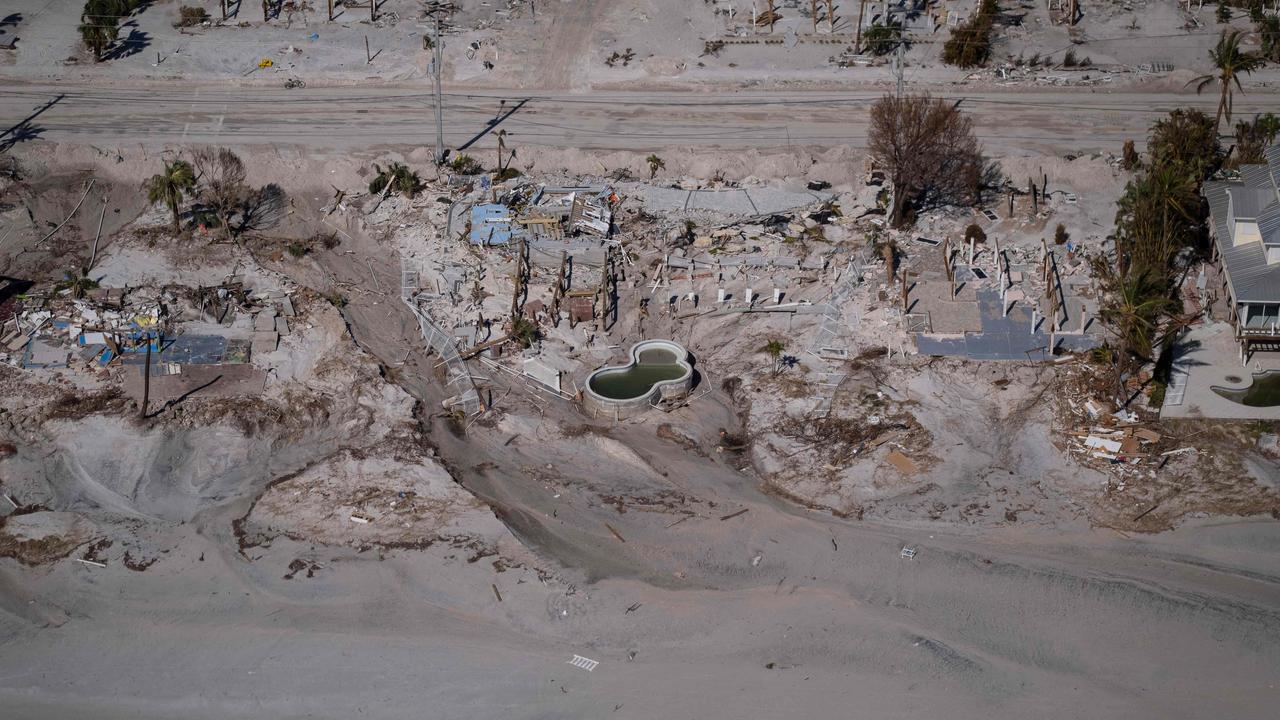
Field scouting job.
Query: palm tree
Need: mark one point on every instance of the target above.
(655, 164)
(398, 177)
(171, 186)
(1134, 308)
(1230, 62)
(775, 348)
(79, 283)
(99, 25)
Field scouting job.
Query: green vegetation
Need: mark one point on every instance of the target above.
(524, 331)
(882, 39)
(1230, 63)
(397, 177)
(1160, 226)
(506, 173)
(1268, 29)
(774, 348)
(655, 164)
(1069, 59)
(171, 187)
(78, 283)
(100, 25)
(970, 44)
(464, 164)
(1252, 138)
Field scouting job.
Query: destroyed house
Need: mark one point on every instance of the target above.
(1245, 226)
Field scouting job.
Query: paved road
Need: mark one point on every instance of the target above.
(354, 118)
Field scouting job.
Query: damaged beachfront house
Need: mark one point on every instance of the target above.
(1245, 224)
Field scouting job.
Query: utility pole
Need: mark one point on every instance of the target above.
(331, 10)
(436, 62)
(857, 36)
(373, 10)
(898, 66)
(831, 17)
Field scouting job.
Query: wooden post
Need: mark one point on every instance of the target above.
(330, 10)
(906, 290)
(1035, 201)
(604, 287)
(373, 10)
(558, 292)
(368, 58)
(224, 10)
(813, 12)
(831, 17)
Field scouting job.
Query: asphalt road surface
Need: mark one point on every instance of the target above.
(355, 118)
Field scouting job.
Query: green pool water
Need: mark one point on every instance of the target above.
(655, 365)
(1264, 392)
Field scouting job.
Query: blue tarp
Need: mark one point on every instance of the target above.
(491, 225)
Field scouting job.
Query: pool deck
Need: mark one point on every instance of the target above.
(1205, 357)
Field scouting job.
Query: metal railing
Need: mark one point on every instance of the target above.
(457, 377)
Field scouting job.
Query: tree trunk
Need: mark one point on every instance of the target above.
(1222, 103)
(177, 223)
(899, 206)
(146, 379)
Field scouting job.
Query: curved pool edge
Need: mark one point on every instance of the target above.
(617, 408)
(1254, 378)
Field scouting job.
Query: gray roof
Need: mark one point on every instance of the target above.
(1250, 277)
(1247, 203)
(1269, 223)
(1255, 175)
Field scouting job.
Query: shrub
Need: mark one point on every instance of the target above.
(1269, 36)
(189, 16)
(1060, 235)
(970, 44)
(1129, 156)
(882, 39)
(464, 164)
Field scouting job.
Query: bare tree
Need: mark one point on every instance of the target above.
(222, 182)
(929, 151)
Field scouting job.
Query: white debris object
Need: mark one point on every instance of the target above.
(585, 663)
